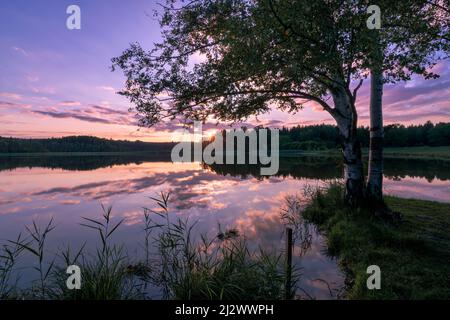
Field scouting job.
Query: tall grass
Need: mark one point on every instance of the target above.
(105, 274)
(8, 258)
(36, 246)
(221, 267)
(178, 262)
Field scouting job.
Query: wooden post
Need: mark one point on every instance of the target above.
(288, 284)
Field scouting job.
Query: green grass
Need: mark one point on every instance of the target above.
(418, 152)
(414, 257)
(442, 153)
(328, 152)
(436, 153)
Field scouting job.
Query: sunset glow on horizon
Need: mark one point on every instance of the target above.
(57, 82)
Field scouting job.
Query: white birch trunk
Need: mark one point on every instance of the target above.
(346, 119)
(375, 176)
(375, 171)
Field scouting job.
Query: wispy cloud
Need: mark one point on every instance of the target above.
(32, 78)
(44, 90)
(20, 50)
(62, 115)
(106, 110)
(414, 101)
(107, 88)
(93, 114)
(10, 95)
(11, 106)
(35, 133)
(69, 103)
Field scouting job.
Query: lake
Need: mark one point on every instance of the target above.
(37, 188)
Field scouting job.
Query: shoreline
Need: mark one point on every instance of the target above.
(419, 244)
(431, 153)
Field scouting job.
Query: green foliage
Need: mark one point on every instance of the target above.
(321, 200)
(427, 134)
(413, 257)
(275, 53)
(257, 55)
(318, 137)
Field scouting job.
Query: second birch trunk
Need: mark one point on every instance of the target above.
(375, 171)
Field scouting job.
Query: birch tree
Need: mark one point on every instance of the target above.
(413, 37)
(255, 55)
(228, 60)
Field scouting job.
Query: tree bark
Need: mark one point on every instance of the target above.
(375, 171)
(375, 176)
(347, 120)
(353, 172)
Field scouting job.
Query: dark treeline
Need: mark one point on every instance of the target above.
(323, 136)
(78, 144)
(316, 137)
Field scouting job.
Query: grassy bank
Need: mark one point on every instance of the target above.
(432, 153)
(438, 153)
(419, 152)
(414, 257)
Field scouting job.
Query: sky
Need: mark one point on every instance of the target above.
(57, 82)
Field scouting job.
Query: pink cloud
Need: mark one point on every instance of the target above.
(70, 103)
(10, 95)
(44, 90)
(107, 88)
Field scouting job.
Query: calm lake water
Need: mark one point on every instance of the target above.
(70, 187)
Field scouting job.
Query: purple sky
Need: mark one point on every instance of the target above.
(57, 82)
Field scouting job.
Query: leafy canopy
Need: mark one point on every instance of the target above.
(230, 59)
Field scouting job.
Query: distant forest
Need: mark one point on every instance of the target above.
(317, 137)
(79, 144)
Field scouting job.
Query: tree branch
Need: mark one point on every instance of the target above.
(355, 91)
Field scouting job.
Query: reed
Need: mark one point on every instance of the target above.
(178, 262)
